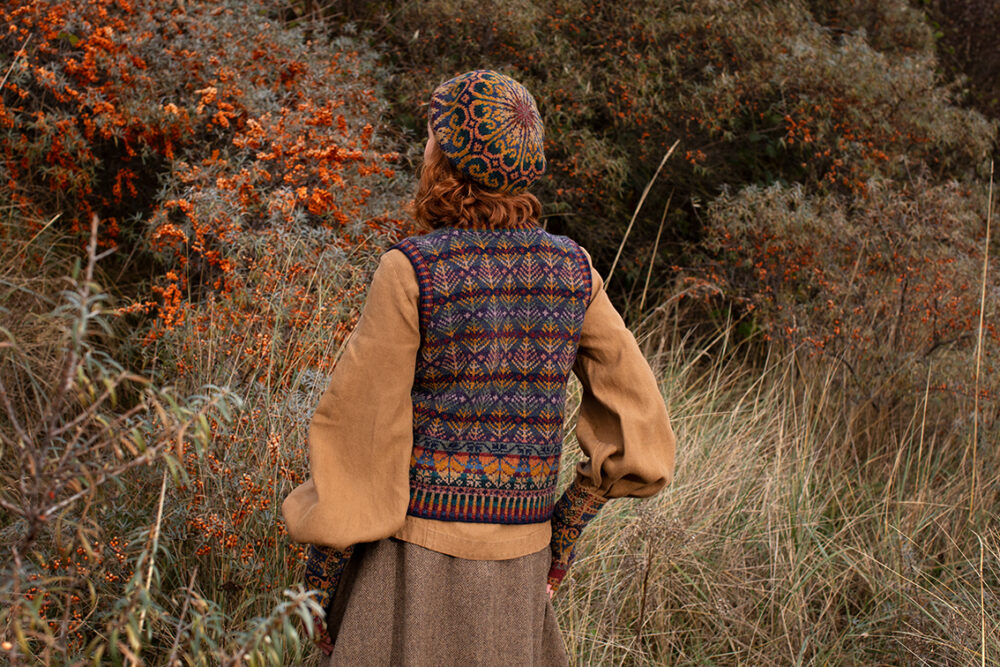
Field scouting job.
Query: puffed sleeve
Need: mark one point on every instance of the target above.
(623, 428)
(361, 434)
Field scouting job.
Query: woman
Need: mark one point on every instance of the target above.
(435, 450)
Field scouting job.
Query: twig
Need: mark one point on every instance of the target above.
(91, 254)
(156, 543)
(894, 336)
(85, 416)
(656, 246)
(12, 416)
(14, 62)
(942, 343)
(637, 209)
(180, 619)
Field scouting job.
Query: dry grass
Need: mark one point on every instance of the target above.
(798, 529)
(778, 542)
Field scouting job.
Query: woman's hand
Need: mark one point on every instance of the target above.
(549, 590)
(322, 637)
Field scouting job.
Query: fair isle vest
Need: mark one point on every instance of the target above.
(500, 319)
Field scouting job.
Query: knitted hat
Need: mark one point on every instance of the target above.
(488, 126)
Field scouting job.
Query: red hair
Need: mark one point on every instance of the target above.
(446, 198)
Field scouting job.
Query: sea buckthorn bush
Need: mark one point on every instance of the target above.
(242, 186)
(966, 33)
(824, 172)
(890, 292)
(756, 92)
(93, 571)
(180, 125)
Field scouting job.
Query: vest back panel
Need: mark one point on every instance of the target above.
(500, 315)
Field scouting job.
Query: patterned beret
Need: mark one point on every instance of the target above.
(488, 126)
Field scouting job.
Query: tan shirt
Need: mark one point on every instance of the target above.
(361, 434)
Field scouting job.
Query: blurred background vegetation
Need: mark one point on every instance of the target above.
(195, 194)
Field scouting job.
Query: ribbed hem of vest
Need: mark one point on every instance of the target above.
(481, 506)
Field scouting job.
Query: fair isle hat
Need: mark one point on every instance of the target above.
(488, 126)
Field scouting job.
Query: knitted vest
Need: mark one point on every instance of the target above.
(500, 319)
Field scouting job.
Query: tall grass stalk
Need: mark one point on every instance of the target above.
(982, 605)
(979, 341)
(635, 214)
(652, 255)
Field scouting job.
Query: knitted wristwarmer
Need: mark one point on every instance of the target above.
(573, 512)
(324, 566)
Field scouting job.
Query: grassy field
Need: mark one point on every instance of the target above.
(798, 529)
(796, 532)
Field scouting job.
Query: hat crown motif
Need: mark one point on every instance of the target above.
(525, 113)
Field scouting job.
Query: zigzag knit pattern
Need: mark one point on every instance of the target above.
(500, 315)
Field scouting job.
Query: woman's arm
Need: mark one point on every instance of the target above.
(623, 428)
(361, 434)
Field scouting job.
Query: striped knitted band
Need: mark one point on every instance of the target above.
(488, 126)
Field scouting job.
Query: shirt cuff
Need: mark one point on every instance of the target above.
(574, 510)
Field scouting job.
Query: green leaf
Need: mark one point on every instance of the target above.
(69, 37)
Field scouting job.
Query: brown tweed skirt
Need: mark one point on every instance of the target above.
(402, 604)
